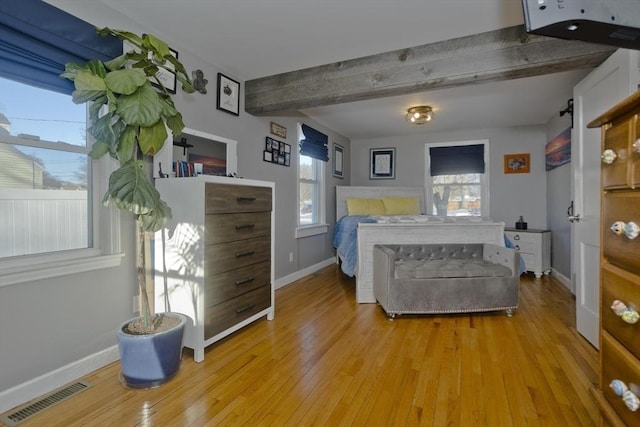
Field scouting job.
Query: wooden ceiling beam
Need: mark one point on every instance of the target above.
(508, 53)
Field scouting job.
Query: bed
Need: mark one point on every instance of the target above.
(355, 241)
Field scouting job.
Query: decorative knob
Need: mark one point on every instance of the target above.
(635, 147)
(618, 227)
(628, 314)
(608, 156)
(631, 230)
(628, 397)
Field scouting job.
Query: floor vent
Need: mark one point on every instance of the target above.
(20, 414)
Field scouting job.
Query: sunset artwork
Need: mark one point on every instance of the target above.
(557, 152)
(210, 165)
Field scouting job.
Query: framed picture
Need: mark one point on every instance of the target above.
(517, 163)
(278, 130)
(557, 152)
(167, 78)
(382, 163)
(228, 98)
(277, 152)
(338, 160)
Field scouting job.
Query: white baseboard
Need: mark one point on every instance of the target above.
(31, 389)
(563, 279)
(286, 280)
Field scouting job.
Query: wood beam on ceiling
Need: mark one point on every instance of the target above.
(508, 53)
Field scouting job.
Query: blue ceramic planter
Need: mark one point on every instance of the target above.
(150, 360)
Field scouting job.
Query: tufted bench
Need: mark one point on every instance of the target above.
(445, 278)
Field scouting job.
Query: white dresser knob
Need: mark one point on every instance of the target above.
(635, 147)
(631, 230)
(608, 156)
(618, 227)
(627, 314)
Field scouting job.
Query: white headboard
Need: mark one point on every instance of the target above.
(343, 193)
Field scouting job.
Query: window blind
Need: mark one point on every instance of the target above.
(37, 40)
(459, 159)
(314, 144)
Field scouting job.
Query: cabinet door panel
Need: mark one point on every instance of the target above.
(221, 228)
(229, 256)
(620, 285)
(227, 198)
(618, 249)
(617, 138)
(618, 363)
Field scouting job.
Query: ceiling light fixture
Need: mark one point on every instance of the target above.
(420, 115)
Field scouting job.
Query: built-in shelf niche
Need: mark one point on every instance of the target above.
(203, 143)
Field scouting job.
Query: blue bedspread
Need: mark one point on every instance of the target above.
(346, 242)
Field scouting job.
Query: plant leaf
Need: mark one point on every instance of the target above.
(157, 218)
(130, 190)
(102, 130)
(175, 123)
(152, 139)
(125, 81)
(142, 108)
(88, 86)
(127, 144)
(98, 149)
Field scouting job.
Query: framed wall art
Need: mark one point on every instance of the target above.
(277, 152)
(338, 160)
(382, 163)
(517, 163)
(167, 78)
(228, 98)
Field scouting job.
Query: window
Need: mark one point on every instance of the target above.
(312, 157)
(52, 221)
(457, 178)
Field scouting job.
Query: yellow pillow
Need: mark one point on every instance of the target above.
(401, 205)
(365, 207)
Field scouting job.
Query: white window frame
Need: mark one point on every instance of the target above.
(105, 251)
(484, 180)
(321, 226)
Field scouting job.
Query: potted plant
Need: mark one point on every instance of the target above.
(128, 119)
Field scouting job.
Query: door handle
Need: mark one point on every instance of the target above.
(574, 218)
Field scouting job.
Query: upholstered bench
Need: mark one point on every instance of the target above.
(445, 278)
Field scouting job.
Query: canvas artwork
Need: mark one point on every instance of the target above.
(210, 165)
(557, 152)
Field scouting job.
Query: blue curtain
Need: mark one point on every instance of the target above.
(459, 159)
(314, 144)
(37, 40)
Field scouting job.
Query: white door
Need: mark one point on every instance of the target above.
(611, 82)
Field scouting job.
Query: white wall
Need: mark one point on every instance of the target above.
(511, 195)
(50, 324)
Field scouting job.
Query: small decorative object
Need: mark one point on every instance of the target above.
(517, 163)
(228, 98)
(277, 152)
(631, 230)
(382, 163)
(520, 224)
(199, 82)
(618, 387)
(338, 160)
(608, 156)
(628, 314)
(618, 228)
(278, 130)
(618, 307)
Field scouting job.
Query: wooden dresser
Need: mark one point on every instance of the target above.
(218, 260)
(619, 393)
(534, 247)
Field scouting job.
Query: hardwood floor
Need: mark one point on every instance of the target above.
(325, 360)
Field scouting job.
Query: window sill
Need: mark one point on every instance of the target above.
(28, 269)
(311, 230)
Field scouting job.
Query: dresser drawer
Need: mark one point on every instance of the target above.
(617, 138)
(227, 198)
(524, 242)
(224, 315)
(229, 256)
(618, 249)
(620, 285)
(618, 363)
(230, 284)
(221, 228)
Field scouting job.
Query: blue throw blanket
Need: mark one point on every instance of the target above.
(345, 240)
(509, 244)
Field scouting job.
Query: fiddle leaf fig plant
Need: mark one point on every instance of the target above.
(129, 118)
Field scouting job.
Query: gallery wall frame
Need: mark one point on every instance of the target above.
(517, 163)
(338, 160)
(228, 95)
(277, 152)
(382, 163)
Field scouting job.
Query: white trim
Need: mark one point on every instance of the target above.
(311, 230)
(563, 279)
(287, 280)
(35, 387)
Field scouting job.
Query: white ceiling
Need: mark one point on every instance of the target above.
(255, 38)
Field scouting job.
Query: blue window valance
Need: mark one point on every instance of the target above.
(314, 144)
(37, 40)
(459, 159)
